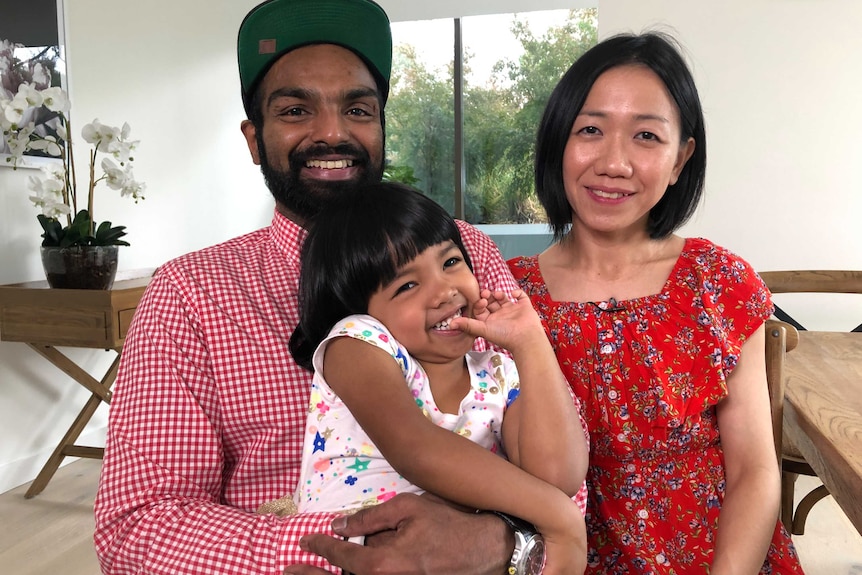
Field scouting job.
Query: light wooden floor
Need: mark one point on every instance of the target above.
(53, 532)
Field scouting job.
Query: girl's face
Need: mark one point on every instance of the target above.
(428, 292)
(623, 151)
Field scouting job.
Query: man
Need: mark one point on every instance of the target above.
(207, 417)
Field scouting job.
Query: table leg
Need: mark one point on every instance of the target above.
(100, 392)
(74, 371)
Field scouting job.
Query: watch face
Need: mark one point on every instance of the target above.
(534, 561)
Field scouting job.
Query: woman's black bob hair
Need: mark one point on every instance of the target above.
(355, 245)
(659, 53)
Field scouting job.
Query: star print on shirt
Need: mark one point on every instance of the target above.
(359, 465)
(319, 443)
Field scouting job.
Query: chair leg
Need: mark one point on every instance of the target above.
(788, 481)
(798, 526)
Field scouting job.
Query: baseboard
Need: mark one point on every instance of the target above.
(17, 473)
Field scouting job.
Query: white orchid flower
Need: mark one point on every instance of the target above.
(48, 187)
(54, 172)
(31, 94)
(115, 177)
(122, 151)
(19, 141)
(55, 99)
(4, 123)
(34, 184)
(102, 136)
(53, 192)
(90, 132)
(133, 188)
(48, 195)
(48, 144)
(62, 133)
(51, 208)
(15, 109)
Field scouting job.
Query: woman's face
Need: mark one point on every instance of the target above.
(623, 152)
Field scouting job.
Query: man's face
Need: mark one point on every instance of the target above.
(322, 130)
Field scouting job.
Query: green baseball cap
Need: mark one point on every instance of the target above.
(276, 27)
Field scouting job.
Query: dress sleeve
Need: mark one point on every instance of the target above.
(159, 508)
(735, 299)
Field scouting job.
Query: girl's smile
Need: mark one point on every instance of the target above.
(417, 306)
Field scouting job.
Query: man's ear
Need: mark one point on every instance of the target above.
(250, 133)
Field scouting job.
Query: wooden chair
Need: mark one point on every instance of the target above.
(792, 462)
(781, 337)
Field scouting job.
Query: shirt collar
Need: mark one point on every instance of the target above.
(287, 236)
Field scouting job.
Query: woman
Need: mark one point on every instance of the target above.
(661, 337)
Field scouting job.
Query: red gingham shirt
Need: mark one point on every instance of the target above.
(207, 416)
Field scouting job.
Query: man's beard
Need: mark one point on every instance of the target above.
(305, 197)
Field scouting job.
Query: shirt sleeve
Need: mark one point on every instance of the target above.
(160, 508)
(489, 267)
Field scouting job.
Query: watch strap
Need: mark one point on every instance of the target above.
(523, 531)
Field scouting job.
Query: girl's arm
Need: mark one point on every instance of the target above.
(750, 509)
(542, 430)
(372, 386)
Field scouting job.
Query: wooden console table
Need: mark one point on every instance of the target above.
(45, 318)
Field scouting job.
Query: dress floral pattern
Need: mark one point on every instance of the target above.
(649, 373)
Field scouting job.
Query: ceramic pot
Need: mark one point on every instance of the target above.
(80, 267)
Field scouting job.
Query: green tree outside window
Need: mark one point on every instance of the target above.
(500, 121)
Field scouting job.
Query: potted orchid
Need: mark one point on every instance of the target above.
(36, 120)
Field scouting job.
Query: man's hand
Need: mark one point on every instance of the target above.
(413, 534)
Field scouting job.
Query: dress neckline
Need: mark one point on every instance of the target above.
(613, 303)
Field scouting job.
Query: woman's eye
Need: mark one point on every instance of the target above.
(647, 136)
(451, 261)
(592, 130)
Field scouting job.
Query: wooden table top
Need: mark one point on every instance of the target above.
(32, 312)
(823, 412)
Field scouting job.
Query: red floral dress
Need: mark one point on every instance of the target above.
(649, 373)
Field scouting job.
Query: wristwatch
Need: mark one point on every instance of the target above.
(528, 557)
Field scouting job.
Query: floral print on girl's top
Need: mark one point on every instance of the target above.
(342, 469)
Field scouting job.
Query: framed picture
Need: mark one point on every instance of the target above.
(32, 50)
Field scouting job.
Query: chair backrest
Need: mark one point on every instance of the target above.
(781, 337)
(812, 281)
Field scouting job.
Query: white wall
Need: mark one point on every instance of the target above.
(780, 85)
(778, 80)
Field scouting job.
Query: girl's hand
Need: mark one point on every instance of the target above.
(566, 553)
(568, 558)
(507, 321)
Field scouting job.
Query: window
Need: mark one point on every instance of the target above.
(473, 153)
(31, 51)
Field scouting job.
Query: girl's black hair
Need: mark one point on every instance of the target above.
(356, 245)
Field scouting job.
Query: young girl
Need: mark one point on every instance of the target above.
(387, 295)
